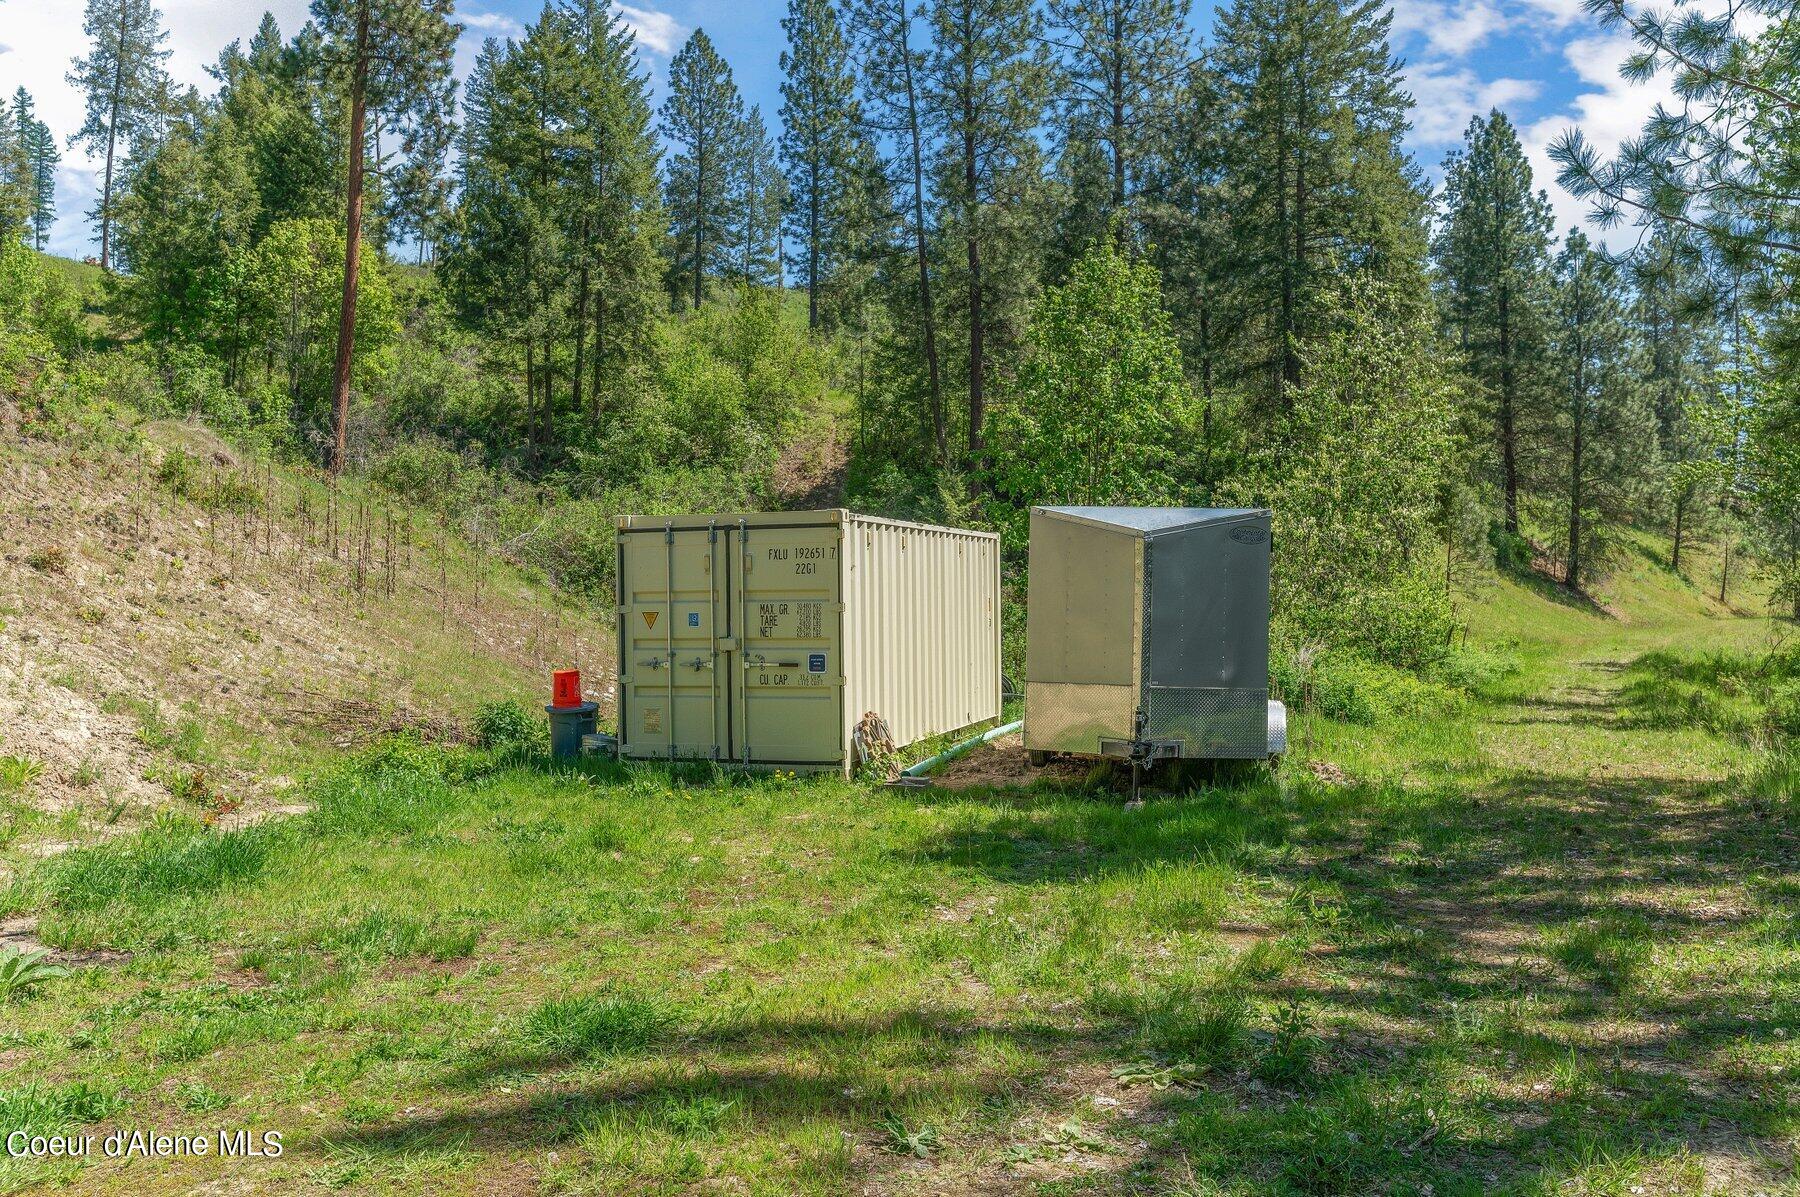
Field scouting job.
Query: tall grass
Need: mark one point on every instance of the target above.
(172, 856)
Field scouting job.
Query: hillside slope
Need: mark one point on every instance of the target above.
(1525, 944)
(181, 628)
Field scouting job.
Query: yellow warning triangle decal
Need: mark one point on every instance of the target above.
(650, 618)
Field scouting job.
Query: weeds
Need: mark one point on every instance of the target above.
(917, 1141)
(20, 970)
(1609, 950)
(51, 559)
(1289, 1057)
(1205, 1024)
(384, 936)
(197, 1097)
(17, 772)
(41, 1109)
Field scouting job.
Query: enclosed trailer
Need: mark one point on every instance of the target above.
(1147, 634)
(764, 639)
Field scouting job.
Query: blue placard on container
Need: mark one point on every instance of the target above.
(815, 663)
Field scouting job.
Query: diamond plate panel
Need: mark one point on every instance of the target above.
(1209, 722)
(1068, 717)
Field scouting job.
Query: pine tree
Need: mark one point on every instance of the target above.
(418, 195)
(758, 198)
(703, 120)
(1323, 186)
(1185, 206)
(15, 185)
(819, 118)
(986, 82)
(1678, 325)
(1607, 433)
(125, 86)
(1124, 63)
(280, 110)
(1719, 168)
(41, 159)
(616, 218)
(892, 70)
(1492, 254)
(393, 58)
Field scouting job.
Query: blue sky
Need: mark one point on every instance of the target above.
(1542, 61)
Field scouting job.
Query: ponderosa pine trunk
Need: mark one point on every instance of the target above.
(928, 320)
(353, 199)
(1509, 445)
(1572, 574)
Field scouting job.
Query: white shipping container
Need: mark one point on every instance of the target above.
(763, 639)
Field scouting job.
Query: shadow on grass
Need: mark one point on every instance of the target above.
(1501, 935)
(1554, 591)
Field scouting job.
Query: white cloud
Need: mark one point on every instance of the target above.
(1450, 30)
(656, 32)
(1559, 13)
(495, 24)
(1607, 116)
(1447, 97)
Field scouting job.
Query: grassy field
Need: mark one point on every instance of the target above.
(1530, 942)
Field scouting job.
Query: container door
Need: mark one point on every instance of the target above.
(674, 687)
(788, 613)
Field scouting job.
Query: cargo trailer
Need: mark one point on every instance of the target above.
(763, 639)
(1147, 634)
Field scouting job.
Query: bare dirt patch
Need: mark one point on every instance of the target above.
(1002, 763)
(20, 934)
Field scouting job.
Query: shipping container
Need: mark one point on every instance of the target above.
(764, 639)
(1147, 634)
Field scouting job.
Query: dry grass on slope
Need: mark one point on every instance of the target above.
(189, 641)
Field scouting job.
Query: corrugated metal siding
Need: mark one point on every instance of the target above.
(921, 626)
(915, 633)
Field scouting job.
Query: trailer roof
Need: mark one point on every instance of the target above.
(1153, 519)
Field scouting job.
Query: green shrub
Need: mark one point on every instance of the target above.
(1354, 690)
(1476, 669)
(128, 377)
(420, 472)
(208, 486)
(195, 385)
(509, 727)
(1512, 552)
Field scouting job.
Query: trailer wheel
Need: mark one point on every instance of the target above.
(1036, 759)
